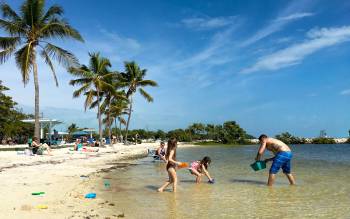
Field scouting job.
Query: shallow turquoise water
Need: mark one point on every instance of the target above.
(323, 186)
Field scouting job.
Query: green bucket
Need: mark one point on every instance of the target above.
(258, 165)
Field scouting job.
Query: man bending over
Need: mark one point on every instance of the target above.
(282, 158)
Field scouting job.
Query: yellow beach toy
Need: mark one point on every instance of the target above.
(42, 207)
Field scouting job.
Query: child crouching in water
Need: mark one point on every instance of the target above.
(171, 165)
(199, 168)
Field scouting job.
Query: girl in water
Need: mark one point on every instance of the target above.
(200, 168)
(171, 165)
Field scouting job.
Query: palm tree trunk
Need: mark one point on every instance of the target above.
(120, 129)
(99, 116)
(128, 122)
(37, 111)
(109, 123)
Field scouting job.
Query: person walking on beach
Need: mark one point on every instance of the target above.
(282, 158)
(171, 165)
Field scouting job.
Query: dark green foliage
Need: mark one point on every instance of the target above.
(287, 138)
(228, 133)
(11, 126)
(323, 141)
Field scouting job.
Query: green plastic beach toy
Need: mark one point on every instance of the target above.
(258, 165)
(38, 193)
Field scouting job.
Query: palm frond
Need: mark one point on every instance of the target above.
(80, 81)
(52, 12)
(89, 98)
(13, 28)
(122, 120)
(7, 42)
(146, 95)
(59, 29)
(24, 60)
(32, 11)
(8, 12)
(63, 57)
(81, 71)
(48, 61)
(78, 92)
(144, 83)
(6, 54)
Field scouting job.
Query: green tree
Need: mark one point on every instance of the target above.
(29, 33)
(11, 125)
(322, 140)
(72, 128)
(233, 133)
(93, 81)
(160, 135)
(287, 138)
(134, 79)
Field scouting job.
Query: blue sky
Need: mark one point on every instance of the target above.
(272, 66)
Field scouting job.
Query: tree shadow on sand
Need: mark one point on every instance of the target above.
(249, 181)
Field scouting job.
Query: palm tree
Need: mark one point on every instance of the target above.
(133, 79)
(117, 109)
(93, 80)
(29, 32)
(111, 98)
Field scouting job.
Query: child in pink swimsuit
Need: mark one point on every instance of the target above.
(200, 168)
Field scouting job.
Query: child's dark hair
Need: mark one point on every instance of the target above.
(206, 161)
(172, 143)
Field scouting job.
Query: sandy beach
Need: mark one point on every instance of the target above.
(59, 176)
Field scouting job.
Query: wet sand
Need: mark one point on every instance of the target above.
(60, 177)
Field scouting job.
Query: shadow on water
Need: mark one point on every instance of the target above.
(249, 181)
(188, 181)
(152, 187)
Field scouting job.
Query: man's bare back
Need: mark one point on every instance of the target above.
(276, 145)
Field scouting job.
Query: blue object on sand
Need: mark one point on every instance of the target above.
(90, 195)
(211, 181)
(107, 184)
(258, 165)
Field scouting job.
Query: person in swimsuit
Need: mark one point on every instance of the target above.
(200, 168)
(171, 165)
(282, 158)
(160, 152)
(38, 148)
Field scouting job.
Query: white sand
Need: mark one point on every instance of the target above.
(59, 177)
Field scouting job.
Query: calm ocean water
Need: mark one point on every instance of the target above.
(322, 173)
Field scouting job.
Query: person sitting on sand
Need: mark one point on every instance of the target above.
(200, 168)
(160, 152)
(282, 158)
(171, 165)
(77, 145)
(38, 148)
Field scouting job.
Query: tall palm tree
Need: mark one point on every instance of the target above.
(29, 33)
(93, 80)
(134, 79)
